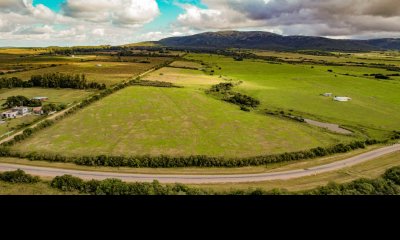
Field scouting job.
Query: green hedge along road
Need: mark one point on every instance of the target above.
(205, 179)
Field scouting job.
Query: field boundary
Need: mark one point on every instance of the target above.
(10, 140)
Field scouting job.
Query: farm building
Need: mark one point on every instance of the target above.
(37, 110)
(42, 99)
(10, 114)
(22, 111)
(327, 94)
(342, 99)
(17, 111)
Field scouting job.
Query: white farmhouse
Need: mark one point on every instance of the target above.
(22, 111)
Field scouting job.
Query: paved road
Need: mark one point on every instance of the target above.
(202, 179)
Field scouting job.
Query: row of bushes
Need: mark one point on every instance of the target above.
(242, 100)
(69, 183)
(139, 82)
(52, 80)
(395, 135)
(387, 184)
(18, 176)
(189, 161)
(224, 91)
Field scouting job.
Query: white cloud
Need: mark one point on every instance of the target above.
(119, 12)
(218, 16)
(80, 22)
(306, 17)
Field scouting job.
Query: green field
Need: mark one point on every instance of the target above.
(144, 120)
(41, 188)
(374, 111)
(387, 58)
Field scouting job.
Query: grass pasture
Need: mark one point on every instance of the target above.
(40, 188)
(374, 111)
(155, 121)
(109, 73)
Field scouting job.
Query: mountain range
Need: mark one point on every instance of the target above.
(272, 41)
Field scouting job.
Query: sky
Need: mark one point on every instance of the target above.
(38, 23)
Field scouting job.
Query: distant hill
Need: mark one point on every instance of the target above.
(271, 41)
(141, 44)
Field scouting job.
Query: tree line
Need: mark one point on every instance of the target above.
(162, 161)
(17, 101)
(52, 80)
(224, 91)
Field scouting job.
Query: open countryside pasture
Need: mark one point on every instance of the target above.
(374, 110)
(387, 58)
(178, 122)
(109, 73)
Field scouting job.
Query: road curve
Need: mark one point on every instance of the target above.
(204, 179)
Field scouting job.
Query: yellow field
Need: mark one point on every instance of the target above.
(186, 64)
(183, 77)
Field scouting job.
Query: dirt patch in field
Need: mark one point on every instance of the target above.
(331, 127)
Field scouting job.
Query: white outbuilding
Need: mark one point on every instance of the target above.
(342, 99)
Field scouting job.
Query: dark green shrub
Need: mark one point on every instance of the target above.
(67, 183)
(18, 176)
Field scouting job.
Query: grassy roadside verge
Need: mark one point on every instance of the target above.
(370, 169)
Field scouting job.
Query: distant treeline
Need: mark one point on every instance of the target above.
(387, 184)
(52, 80)
(82, 50)
(177, 162)
(138, 82)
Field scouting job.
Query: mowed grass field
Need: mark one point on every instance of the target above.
(374, 110)
(179, 122)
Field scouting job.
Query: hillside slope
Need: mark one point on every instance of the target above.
(271, 41)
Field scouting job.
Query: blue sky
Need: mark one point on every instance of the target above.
(168, 8)
(52, 4)
(115, 22)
